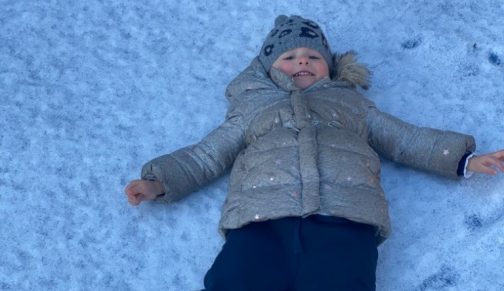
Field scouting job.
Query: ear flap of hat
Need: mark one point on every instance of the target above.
(347, 69)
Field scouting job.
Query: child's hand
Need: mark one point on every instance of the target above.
(487, 163)
(141, 190)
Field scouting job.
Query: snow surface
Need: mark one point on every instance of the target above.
(91, 90)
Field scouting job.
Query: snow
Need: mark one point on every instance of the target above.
(91, 90)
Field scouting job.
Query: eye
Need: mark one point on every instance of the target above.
(314, 58)
(288, 58)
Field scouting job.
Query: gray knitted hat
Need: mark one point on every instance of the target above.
(290, 33)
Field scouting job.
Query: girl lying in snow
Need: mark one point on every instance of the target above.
(305, 209)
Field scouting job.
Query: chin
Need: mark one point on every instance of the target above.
(304, 85)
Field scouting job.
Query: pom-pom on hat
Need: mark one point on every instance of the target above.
(290, 33)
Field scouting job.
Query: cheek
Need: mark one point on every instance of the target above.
(286, 68)
(323, 70)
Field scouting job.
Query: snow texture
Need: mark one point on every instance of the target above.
(91, 90)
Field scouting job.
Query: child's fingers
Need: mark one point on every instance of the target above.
(133, 192)
(499, 156)
(487, 170)
(481, 164)
(489, 165)
(131, 200)
(129, 187)
(134, 199)
(497, 163)
(133, 187)
(489, 161)
(138, 191)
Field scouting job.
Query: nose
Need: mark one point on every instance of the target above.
(303, 60)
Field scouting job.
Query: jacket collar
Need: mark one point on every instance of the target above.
(346, 73)
(282, 80)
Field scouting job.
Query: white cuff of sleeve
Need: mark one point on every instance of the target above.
(467, 173)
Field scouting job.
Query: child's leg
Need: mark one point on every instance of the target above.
(337, 255)
(251, 259)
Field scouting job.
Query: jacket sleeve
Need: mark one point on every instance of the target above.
(432, 150)
(193, 167)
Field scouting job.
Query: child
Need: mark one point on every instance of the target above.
(305, 209)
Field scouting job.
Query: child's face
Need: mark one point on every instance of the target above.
(306, 66)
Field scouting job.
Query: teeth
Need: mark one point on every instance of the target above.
(302, 73)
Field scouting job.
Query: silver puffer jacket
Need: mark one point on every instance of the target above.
(301, 152)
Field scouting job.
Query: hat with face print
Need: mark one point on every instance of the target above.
(290, 33)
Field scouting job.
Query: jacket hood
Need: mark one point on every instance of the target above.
(347, 69)
(344, 69)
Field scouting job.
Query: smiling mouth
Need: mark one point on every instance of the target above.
(302, 74)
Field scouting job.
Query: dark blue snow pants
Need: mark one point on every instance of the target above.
(316, 253)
